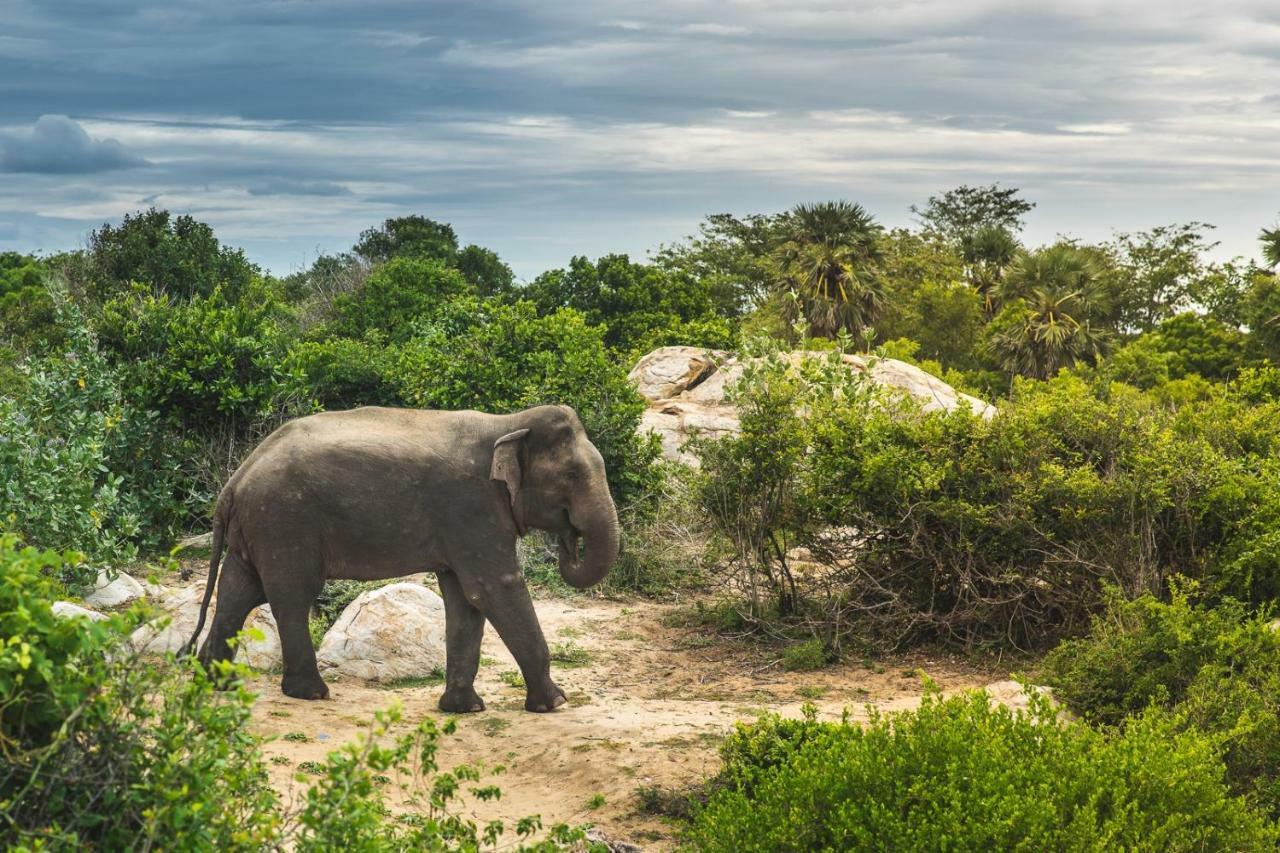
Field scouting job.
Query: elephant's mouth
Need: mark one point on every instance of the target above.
(568, 539)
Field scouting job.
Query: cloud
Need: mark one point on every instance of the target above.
(288, 186)
(56, 145)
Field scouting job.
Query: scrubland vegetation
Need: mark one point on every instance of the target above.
(1119, 515)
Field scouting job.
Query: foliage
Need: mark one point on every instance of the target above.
(807, 655)
(731, 257)
(343, 373)
(1182, 345)
(175, 258)
(831, 260)
(81, 463)
(640, 306)
(416, 237)
(504, 358)
(915, 780)
(1055, 312)
(28, 314)
(397, 297)
(1161, 269)
(963, 211)
(104, 751)
(1216, 669)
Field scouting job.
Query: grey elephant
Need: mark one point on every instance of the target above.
(376, 493)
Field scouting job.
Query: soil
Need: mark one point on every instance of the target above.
(648, 707)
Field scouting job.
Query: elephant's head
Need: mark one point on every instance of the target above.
(553, 479)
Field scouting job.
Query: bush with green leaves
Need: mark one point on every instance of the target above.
(209, 363)
(343, 373)
(397, 298)
(958, 774)
(1215, 669)
(81, 464)
(503, 358)
(102, 750)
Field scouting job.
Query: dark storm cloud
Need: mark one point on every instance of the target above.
(56, 145)
(545, 129)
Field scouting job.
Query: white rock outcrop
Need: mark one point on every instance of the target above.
(114, 592)
(1017, 697)
(686, 386)
(395, 631)
(67, 610)
(182, 606)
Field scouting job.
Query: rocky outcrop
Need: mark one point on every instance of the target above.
(111, 592)
(392, 632)
(686, 387)
(1017, 697)
(67, 610)
(182, 608)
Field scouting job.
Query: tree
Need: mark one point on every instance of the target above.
(413, 236)
(486, 271)
(988, 252)
(831, 260)
(731, 257)
(178, 258)
(964, 210)
(396, 297)
(1270, 239)
(640, 306)
(1054, 315)
(1158, 272)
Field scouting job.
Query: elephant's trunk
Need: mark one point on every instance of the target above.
(595, 518)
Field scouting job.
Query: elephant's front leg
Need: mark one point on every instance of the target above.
(507, 604)
(464, 628)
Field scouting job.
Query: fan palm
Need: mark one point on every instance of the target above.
(1270, 239)
(1052, 297)
(831, 260)
(988, 252)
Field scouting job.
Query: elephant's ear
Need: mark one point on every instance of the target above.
(506, 469)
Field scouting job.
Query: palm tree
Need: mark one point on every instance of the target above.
(1052, 308)
(1270, 238)
(988, 253)
(831, 260)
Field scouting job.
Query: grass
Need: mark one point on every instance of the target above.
(280, 759)
(315, 768)
(595, 801)
(811, 691)
(512, 678)
(296, 737)
(493, 726)
(570, 655)
(806, 656)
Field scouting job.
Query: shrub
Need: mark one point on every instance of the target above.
(397, 297)
(81, 466)
(342, 373)
(959, 774)
(1216, 669)
(103, 751)
(205, 364)
(807, 655)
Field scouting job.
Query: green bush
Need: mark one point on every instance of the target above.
(1216, 669)
(503, 358)
(960, 775)
(81, 465)
(397, 297)
(101, 750)
(342, 373)
(206, 364)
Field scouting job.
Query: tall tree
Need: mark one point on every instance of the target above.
(964, 210)
(1054, 312)
(408, 236)
(1270, 239)
(988, 253)
(731, 256)
(1158, 272)
(831, 260)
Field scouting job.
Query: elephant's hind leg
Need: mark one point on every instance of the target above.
(239, 591)
(464, 628)
(291, 605)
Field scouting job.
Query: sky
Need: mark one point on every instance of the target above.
(549, 129)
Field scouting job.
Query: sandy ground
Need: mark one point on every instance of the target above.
(649, 707)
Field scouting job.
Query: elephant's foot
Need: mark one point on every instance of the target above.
(542, 701)
(304, 687)
(461, 700)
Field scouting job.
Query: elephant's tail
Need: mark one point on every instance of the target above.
(215, 558)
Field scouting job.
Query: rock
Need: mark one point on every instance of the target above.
(1014, 696)
(1274, 624)
(109, 593)
(595, 836)
(67, 610)
(395, 631)
(200, 540)
(182, 606)
(669, 371)
(686, 388)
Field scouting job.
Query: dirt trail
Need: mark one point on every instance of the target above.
(649, 707)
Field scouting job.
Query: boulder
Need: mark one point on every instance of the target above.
(1017, 697)
(687, 387)
(67, 610)
(392, 632)
(182, 606)
(196, 541)
(114, 592)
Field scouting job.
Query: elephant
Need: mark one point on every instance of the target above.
(375, 493)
